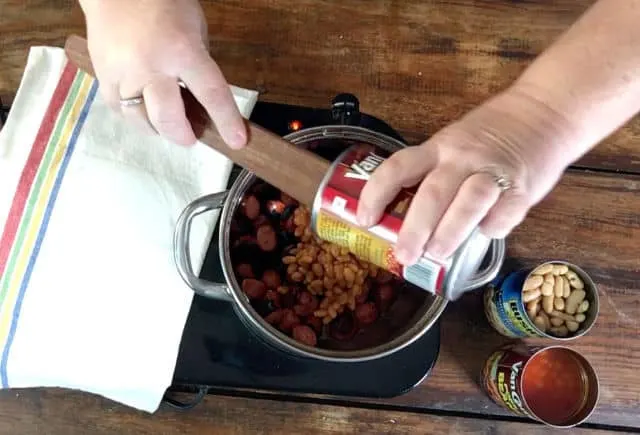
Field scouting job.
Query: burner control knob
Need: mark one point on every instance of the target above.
(345, 109)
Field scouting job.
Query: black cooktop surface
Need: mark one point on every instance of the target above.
(217, 349)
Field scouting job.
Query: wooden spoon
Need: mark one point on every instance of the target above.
(293, 170)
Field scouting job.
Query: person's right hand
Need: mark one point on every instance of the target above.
(142, 48)
(486, 170)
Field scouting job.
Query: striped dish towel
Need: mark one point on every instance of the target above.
(89, 295)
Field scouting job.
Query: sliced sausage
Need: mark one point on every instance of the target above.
(275, 317)
(366, 313)
(250, 206)
(289, 320)
(266, 237)
(304, 334)
(271, 278)
(244, 270)
(384, 296)
(254, 288)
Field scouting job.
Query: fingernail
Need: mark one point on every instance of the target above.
(405, 256)
(436, 251)
(364, 217)
(365, 221)
(238, 139)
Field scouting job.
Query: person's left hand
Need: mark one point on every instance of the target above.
(487, 169)
(142, 49)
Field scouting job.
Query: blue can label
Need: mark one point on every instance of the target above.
(504, 307)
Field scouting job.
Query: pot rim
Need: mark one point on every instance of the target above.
(425, 321)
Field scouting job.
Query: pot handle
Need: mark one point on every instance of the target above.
(486, 275)
(182, 251)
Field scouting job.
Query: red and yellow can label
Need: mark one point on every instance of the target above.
(335, 219)
(373, 249)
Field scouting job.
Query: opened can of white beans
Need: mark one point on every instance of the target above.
(556, 300)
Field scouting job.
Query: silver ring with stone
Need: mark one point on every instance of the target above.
(502, 182)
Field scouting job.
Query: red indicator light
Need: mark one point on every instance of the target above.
(295, 125)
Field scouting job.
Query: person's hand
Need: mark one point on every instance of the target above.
(487, 169)
(142, 48)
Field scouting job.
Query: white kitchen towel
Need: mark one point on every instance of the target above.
(90, 298)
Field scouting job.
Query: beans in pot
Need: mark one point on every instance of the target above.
(308, 288)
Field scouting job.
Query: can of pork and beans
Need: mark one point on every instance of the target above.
(556, 300)
(554, 385)
(333, 218)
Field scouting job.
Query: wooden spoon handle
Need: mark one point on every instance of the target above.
(296, 171)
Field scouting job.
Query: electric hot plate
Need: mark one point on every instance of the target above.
(218, 351)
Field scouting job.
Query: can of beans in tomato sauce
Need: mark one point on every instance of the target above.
(554, 385)
(556, 300)
(333, 218)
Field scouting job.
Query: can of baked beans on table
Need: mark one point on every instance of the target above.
(554, 385)
(333, 218)
(556, 300)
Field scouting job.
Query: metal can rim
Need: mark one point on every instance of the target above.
(586, 366)
(588, 280)
(458, 258)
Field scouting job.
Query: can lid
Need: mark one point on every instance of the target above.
(465, 273)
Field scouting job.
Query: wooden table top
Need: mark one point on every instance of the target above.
(417, 64)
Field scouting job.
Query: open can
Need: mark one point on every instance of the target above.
(333, 218)
(556, 300)
(554, 385)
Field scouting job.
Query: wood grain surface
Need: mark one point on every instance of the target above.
(418, 64)
(55, 412)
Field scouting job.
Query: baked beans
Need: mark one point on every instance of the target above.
(306, 287)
